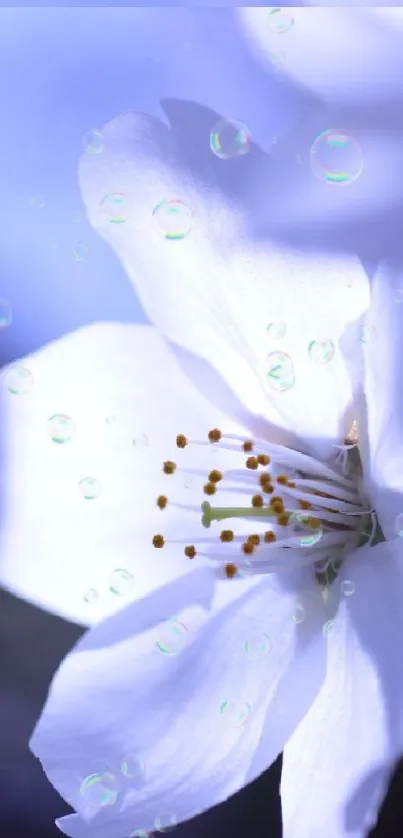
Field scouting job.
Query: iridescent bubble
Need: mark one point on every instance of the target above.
(133, 766)
(399, 525)
(100, 790)
(299, 613)
(347, 587)
(19, 380)
(91, 596)
(230, 138)
(165, 821)
(276, 330)
(5, 314)
(173, 219)
(367, 334)
(258, 647)
(302, 527)
(90, 488)
(61, 428)
(93, 141)
(280, 20)
(172, 637)
(80, 251)
(336, 157)
(121, 582)
(327, 628)
(321, 351)
(235, 712)
(280, 375)
(116, 207)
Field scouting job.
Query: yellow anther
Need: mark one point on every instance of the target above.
(254, 539)
(190, 551)
(214, 435)
(291, 484)
(314, 523)
(263, 459)
(277, 505)
(269, 537)
(257, 500)
(252, 463)
(226, 535)
(158, 541)
(169, 467)
(282, 479)
(264, 478)
(283, 519)
(247, 445)
(248, 548)
(181, 441)
(230, 570)
(304, 504)
(215, 476)
(209, 489)
(162, 501)
(268, 488)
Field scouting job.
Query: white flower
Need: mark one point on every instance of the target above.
(194, 682)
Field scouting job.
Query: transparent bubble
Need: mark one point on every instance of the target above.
(91, 596)
(172, 637)
(327, 628)
(399, 295)
(399, 525)
(235, 712)
(100, 790)
(277, 58)
(280, 20)
(188, 480)
(6, 315)
(165, 821)
(121, 582)
(307, 535)
(335, 157)
(133, 766)
(229, 138)
(61, 428)
(93, 141)
(347, 587)
(367, 334)
(140, 833)
(116, 208)
(321, 351)
(276, 330)
(280, 374)
(299, 613)
(111, 419)
(258, 647)
(90, 488)
(80, 252)
(37, 201)
(173, 219)
(141, 442)
(19, 380)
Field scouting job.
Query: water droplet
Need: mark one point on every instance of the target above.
(235, 712)
(229, 138)
(19, 379)
(280, 374)
(336, 158)
(165, 821)
(347, 587)
(172, 637)
(80, 252)
(90, 488)
(258, 647)
(276, 330)
(100, 790)
(61, 428)
(280, 21)
(299, 613)
(93, 141)
(116, 208)
(173, 219)
(5, 314)
(121, 582)
(321, 351)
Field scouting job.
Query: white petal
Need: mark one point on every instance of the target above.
(344, 55)
(381, 423)
(202, 719)
(127, 400)
(215, 292)
(338, 762)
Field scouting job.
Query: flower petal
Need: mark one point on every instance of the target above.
(381, 424)
(218, 293)
(338, 762)
(104, 403)
(176, 702)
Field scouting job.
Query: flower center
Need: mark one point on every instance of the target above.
(293, 503)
